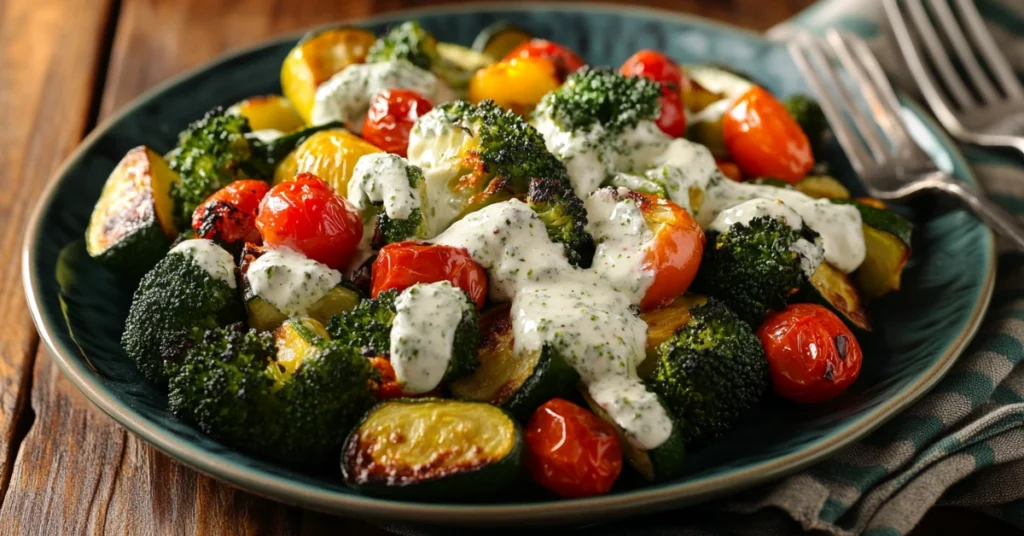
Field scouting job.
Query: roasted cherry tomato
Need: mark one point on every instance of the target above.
(812, 355)
(566, 61)
(403, 264)
(229, 215)
(658, 67)
(730, 170)
(764, 140)
(516, 84)
(571, 451)
(306, 215)
(392, 114)
(674, 254)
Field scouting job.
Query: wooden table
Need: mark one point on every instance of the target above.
(65, 468)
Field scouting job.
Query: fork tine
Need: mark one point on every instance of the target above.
(858, 59)
(959, 42)
(937, 53)
(799, 48)
(989, 50)
(939, 103)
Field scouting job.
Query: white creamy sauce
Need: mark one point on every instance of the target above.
(212, 258)
(587, 321)
(265, 135)
(383, 178)
(686, 170)
(290, 281)
(346, 96)
(622, 237)
(423, 333)
(435, 145)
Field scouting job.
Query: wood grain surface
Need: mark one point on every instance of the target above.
(65, 468)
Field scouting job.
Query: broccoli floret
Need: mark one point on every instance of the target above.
(211, 153)
(754, 267)
(367, 328)
(710, 372)
(565, 217)
(387, 229)
(174, 300)
(408, 41)
(598, 95)
(812, 120)
(231, 388)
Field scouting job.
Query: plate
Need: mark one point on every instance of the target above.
(79, 308)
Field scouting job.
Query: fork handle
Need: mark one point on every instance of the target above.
(999, 219)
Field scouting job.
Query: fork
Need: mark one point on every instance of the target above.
(984, 107)
(880, 147)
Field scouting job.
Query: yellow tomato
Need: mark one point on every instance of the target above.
(318, 58)
(269, 112)
(328, 154)
(516, 84)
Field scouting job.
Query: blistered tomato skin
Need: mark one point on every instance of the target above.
(764, 140)
(306, 215)
(566, 61)
(659, 68)
(400, 265)
(392, 114)
(228, 216)
(812, 355)
(571, 451)
(675, 253)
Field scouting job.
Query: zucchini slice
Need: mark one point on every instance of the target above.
(498, 39)
(832, 288)
(458, 64)
(294, 340)
(517, 383)
(662, 323)
(887, 239)
(132, 224)
(823, 187)
(659, 463)
(433, 449)
(264, 316)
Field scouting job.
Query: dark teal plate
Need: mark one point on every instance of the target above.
(79, 308)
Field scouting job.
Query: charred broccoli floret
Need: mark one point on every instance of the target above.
(598, 95)
(367, 328)
(812, 120)
(754, 268)
(565, 217)
(175, 300)
(408, 41)
(710, 372)
(290, 397)
(374, 185)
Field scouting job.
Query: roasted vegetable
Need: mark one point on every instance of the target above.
(269, 112)
(316, 58)
(565, 217)
(822, 187)
(388, 230)
(754, 268)
(600, 96)
(132, 224)
(519, 383)
(833, 289)
(329, 154)
(516, 84)
(290, 398)
(449, 450)
(812, 121)
(711, 372)
(409, 42)
(175, 302)
(887, 239)
(662, 323)
(498, 39)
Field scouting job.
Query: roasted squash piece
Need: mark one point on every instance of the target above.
(329, 154)
(132, 224)
(832, 288)
(318, 57)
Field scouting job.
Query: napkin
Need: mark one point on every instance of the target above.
(963, 443)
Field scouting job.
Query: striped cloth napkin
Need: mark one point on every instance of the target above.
(963, 443)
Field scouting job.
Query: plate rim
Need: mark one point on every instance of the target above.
(286, 490)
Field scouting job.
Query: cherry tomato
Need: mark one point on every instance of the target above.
(392, 114)
(566, 61)
(674, 254)
(812, 355)
(229, 215)
(730, 170)
(306, 215)
(658, 67)
(403, 264)
(570, 451)
(672, 120)
(764, 140)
